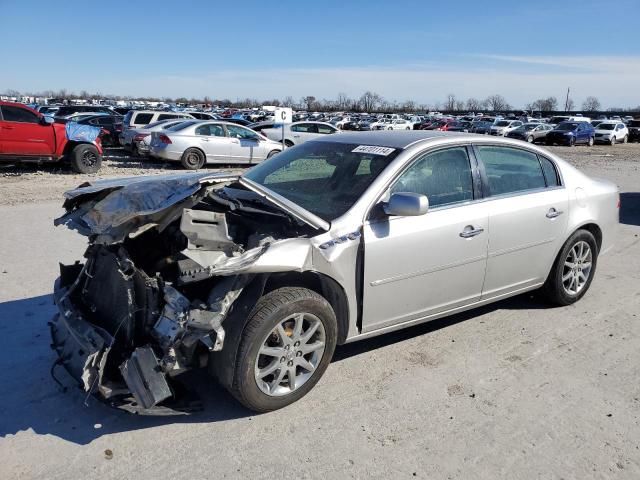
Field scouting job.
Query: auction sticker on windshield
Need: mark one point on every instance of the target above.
(373, 150)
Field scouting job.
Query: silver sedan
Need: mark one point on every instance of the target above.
(199, 142)
(333, 241)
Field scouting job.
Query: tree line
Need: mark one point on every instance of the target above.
(368, 102)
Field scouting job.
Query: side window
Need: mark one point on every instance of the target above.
(443, 176)
(104, 121)
(202, 130)
(511, 170)
(550, 173)
(216, 131)
(142, 119)
(326, 129)
(17, 114)
(236, 131)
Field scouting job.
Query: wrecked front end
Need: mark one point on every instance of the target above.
(167, 260)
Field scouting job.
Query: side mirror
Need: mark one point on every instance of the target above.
(46, 120)
(406, 204)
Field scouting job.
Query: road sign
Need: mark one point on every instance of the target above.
(283, 115)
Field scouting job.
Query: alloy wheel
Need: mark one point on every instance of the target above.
(577, 268)
(290, 354)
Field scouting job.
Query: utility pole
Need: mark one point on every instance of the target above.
(566, 103)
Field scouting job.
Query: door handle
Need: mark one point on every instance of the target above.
(296, 136)
(553, 213)
(235, 140)
(204, 139)
(469, 231)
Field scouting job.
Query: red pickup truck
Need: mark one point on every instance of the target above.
(28, 136)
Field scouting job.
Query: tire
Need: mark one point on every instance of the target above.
(192, 159)
(407, 128)
(625, 139)
(530, 139)
(272, 153)
(273, 309)
(554, 288)
(572, 141)
(85, 159)
(590, 142)
(613, 140)
(288, 143)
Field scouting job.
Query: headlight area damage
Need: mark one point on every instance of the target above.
(167, 259)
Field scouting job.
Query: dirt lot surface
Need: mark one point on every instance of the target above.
(515, 390)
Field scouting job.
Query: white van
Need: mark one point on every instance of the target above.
(140, 118)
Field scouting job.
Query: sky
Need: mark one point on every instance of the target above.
(400, 49)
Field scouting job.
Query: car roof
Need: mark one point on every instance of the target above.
(389, 138)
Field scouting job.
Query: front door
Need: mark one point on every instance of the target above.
(245, 145)
(528, 210)
(422, 265)
(23, 134)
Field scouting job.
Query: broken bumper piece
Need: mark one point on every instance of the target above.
(83, 350)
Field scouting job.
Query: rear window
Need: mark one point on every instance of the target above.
(143, 118)
(181, 126)
(169, 116)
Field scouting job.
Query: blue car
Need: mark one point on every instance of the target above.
(571, 133)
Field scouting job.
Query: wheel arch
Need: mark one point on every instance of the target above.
(72, 144)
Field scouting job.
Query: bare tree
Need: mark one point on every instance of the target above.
(450, 103)
(343, 101)
(474, 105)
(497, 103)
(543, 104)
(370, 100)
(288, 101)
(591, 104)
(12, 93)
(570, 104)
(308, 101)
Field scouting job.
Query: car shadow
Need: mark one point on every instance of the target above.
(32, 399)
(630, 208)
(526, 301)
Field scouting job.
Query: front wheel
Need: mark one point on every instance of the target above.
(272, 153)
(530, 139)
(613, 140)
(625, 139)
(590, 142)
(573, 269)
(284, 349)
(86, 159)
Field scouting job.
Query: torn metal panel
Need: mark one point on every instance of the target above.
(145, 379)
(207, 231)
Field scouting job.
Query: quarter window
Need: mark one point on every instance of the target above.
(17, 114)
(443, 176)
(550, 173)
(143, 118)
(326, 129)
(511, 170)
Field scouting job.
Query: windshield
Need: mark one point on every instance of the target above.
(606, 126)
(322, 177)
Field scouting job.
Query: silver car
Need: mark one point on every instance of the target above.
(299, 132)
(136, 140)
(199, 142)
(260, 276)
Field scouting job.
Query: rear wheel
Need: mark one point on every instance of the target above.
(272, 153)
(530, 139)
(573, 270)
(192, 159)
(590, 143)
(86, 159)
(284, 349)
(572, 141)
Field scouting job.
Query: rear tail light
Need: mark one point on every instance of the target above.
(140, 136)
(164, 139)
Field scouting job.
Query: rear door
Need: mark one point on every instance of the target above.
(23, 134)
(528, 209)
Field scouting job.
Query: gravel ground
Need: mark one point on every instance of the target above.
(513, 390)
(28, 184)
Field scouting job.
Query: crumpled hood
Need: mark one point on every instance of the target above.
(112, 209)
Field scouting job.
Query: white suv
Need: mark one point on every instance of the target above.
(611, 132)
(141, 118)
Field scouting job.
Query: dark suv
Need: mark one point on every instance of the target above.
(634, 130)
(571, 133)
